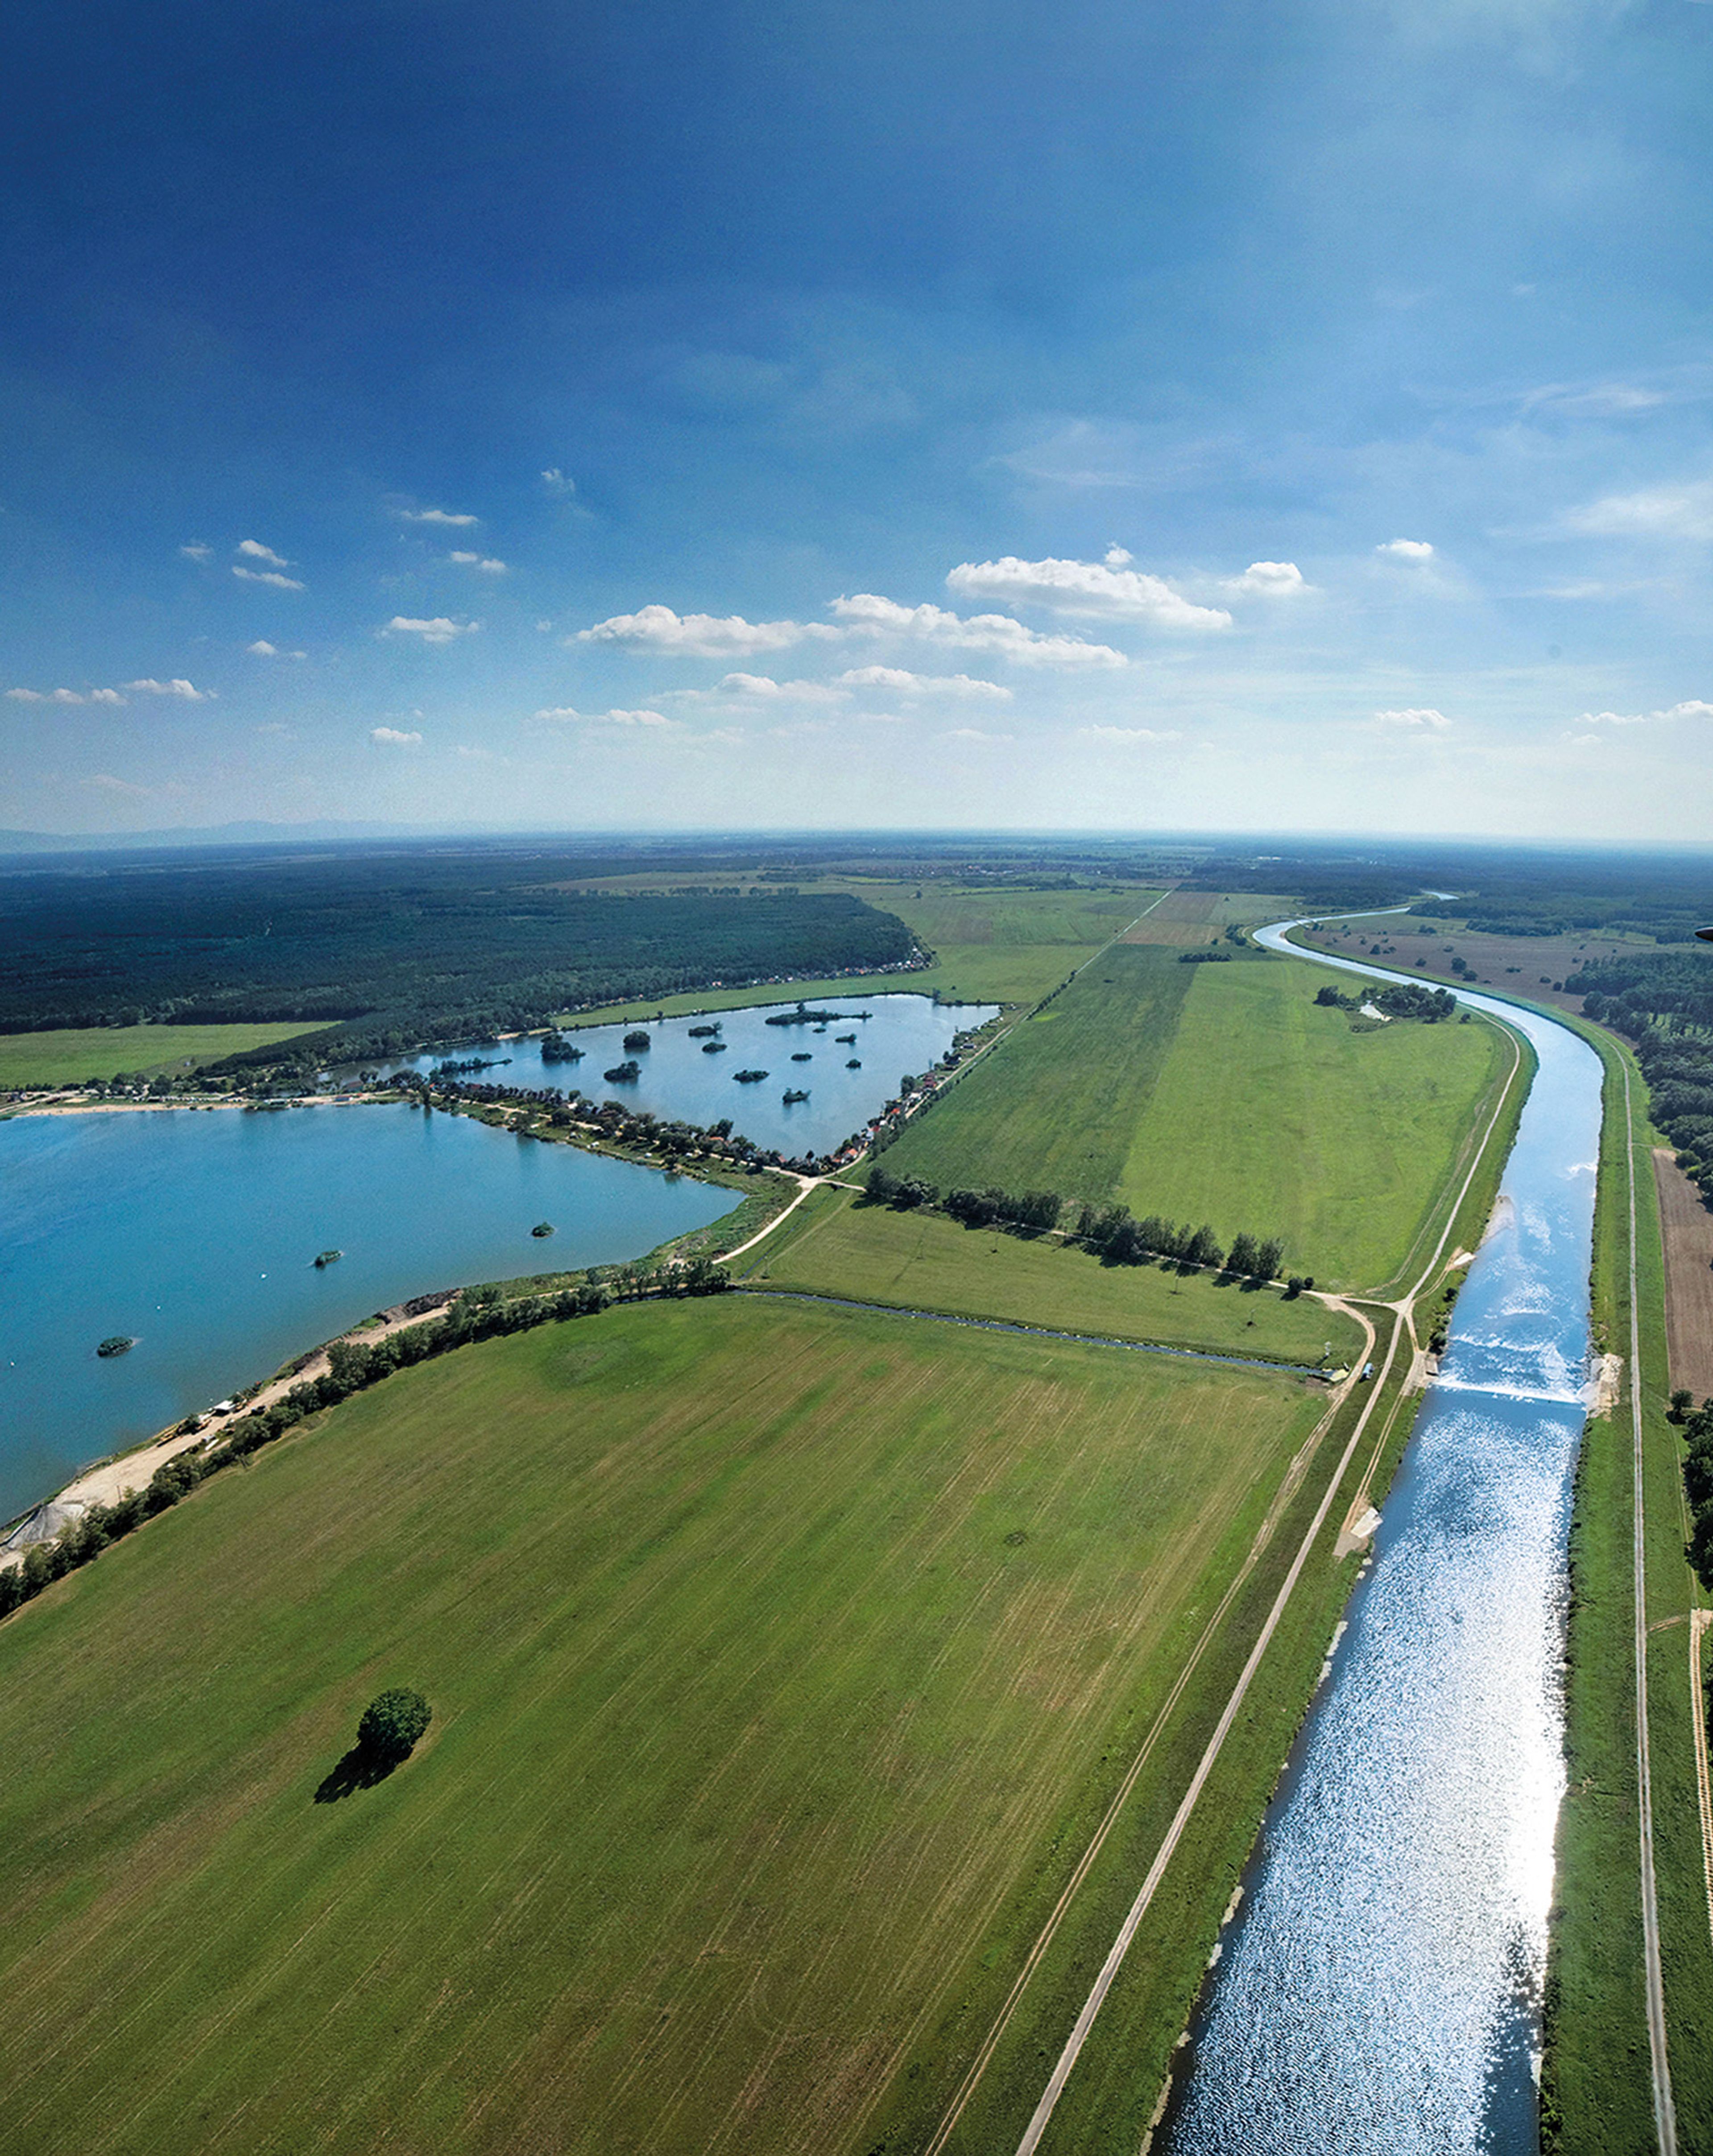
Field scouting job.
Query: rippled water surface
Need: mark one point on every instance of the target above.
(1378, 1992)
(197, 1232)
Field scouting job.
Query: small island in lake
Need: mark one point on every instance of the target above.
(116, 1343)
(624, 1074)
(791, 1099)
(855, 1064)
(543, 1228)
(328, 1258)
(804, 1055)
(715, 1047)
(637, 1039)
(749, 1077)
(702, 1032)
(556, 1049)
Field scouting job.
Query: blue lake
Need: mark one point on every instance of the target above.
(902, 1035)
(196, 1231)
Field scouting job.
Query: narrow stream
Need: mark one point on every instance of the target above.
(1379, 1990)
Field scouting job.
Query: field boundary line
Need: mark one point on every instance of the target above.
(1156, 1871)
(1290, 1482)
(1664, 2111)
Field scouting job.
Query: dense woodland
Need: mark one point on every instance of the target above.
(395, 949)
(1662, 1000)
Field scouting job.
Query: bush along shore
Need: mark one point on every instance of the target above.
(1109, 1231)
(475, 1313)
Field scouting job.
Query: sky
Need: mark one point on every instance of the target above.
(1179, 415)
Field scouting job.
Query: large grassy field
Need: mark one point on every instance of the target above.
(99, 1051)
(1057, 1107)
(1222, 1093)
(1007, 947)
(834, 1245)
(779, 1659)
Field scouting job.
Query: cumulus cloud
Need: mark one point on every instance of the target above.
(439, 628)
(444, 517)
(556, 482)
(261, 648)
(279, 581)
(1127, 734)
(486, 563)
(1693, 709)
(178, 687)
(1275, 580)
(1422, 719)
(1084, 587)
(1406, 550)
(1660, 512)
(253, 551)
(899, 682)
(105, 696)
(391, 737)
(696, 636)
(196, 551)
(763, 686)
(44, 695)
(867, 613)
(567, 714)
(1118, 557)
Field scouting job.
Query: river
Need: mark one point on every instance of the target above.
(196, 1232)
(1378, 1992)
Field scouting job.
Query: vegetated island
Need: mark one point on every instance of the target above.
(749, 1077)
(116, 1343)
(624, 1074)
(325, 1258)
(806, 1014)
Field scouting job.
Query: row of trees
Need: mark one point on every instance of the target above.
(1665, 1003)
(1698, 1481)
(475, 1313)
(1109, 1231)
(1397, 999)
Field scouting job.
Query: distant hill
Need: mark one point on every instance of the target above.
(200, 834)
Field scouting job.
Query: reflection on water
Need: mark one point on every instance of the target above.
(1379, 1991)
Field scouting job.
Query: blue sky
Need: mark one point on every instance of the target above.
(1172, 415)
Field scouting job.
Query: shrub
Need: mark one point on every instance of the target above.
(392, 1725)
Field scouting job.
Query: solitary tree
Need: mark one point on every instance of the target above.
(392, 1724)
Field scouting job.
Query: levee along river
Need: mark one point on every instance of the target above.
(1378, 1992)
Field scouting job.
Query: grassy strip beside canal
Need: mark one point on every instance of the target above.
(1597, 2099)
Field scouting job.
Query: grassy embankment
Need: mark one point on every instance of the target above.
(77, 1053)
(1224, 1093)
(991, 946)
(835, 1245)
(1597, 2069)
(781, 1660)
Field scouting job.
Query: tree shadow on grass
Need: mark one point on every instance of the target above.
(359, 1769)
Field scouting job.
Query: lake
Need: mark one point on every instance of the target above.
(900, 1035)
(197, 1232)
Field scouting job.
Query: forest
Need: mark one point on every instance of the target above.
(1663, 1001)
(393, 949)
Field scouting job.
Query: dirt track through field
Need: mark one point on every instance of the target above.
(1687, 1225)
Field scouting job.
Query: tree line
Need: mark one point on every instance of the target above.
(1698, 1481)
(474, 1313)
(1109, 1231)
(1663, 1001)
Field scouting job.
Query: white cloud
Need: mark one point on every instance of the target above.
(1276, 580)
(1664, 512)
(253, 550)
(1601, 400)
(902, 682)
(486, 563)
(555, 481)
(174, 688)
(279, 583)
(1422, 719)
(105, 696)
(261, 648)
(106, 782)
(1084, 587)
(196, 551)
(391, 737)
(439, 629)
(696, 636)
(1406, 550)
(867, 614)
(445, 517)
(1127, 734)
(44, 695)
(1693, 709)
(1118, 557)
(975, 734)
(565, 712)
(765, 687)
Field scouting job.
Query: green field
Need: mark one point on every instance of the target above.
(991, 946)
(66, 1057)
(780, 1659)
(1225, 1094)
(833, 1246)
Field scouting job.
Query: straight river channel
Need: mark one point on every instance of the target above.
(1378, 1992)
(195, 1231)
